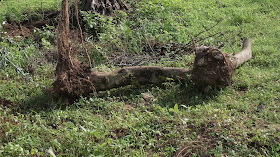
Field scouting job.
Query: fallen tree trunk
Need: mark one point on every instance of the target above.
(82, 81)
(73, 79)
(137, 75)
(244, 55)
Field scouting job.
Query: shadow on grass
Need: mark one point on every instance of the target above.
(187, 95)
(41, 102)
(167, 96)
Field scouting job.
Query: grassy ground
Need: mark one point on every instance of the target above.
(240, 120)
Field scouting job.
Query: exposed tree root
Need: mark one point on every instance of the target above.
(104, 7)
(214, 68)
(81, 32)
(73, 79)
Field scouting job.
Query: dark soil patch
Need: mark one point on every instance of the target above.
(25, 28)
(119, 132)
(13, 29)
(6, 103)
(242, 88)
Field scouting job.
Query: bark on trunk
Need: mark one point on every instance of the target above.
(138, 75)
(244, 55)
(64, 57)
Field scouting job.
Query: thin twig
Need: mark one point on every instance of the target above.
(12, 42)
(194, 45)
(81, 33)
(206, 30)
(212, 35)
(144, 29)
(181, 151)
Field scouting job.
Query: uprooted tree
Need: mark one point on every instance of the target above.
(73, 78)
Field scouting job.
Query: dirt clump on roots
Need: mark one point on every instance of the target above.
(73, 81)
(72, 77)
(211, 68)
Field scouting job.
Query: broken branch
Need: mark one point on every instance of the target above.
(244, 55)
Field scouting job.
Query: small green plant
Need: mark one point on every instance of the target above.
(96, 23)
(15, 57)
(47, 32)
(175, 109)
(46, 44)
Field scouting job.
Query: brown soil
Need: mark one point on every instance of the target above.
(211, 68)
(14, 29)
(5, 102)
(25, 29)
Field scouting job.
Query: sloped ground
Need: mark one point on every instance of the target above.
(170, 120)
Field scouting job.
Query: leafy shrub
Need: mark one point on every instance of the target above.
(96, 23)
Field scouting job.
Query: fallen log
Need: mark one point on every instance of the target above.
(212, 68)
(82, 81)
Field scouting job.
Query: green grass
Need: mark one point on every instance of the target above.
(22, 10)
(239, 120)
